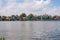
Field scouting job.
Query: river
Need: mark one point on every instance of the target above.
(30, 30)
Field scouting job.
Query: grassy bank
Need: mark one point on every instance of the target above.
(2, 38)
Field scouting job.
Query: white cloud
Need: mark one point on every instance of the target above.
(54, 11)
(28, 6)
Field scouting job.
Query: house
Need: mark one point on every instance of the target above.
(7, 18)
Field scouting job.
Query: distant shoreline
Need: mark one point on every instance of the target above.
(44, 20)
(30, 17)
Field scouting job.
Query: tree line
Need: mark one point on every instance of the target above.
(30, 17)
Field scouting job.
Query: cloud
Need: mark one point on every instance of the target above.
(54, 11)
(36, 7)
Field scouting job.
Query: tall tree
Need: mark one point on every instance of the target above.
(3, 18)
(12, 18)
(30, 16)
(23, 15)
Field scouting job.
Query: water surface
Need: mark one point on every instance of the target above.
(30, 30)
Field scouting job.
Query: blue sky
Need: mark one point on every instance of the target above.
(56, 2)
(37, 7)
(53, 2)
(20, 1)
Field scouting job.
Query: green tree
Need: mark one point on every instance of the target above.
(55, 17)
(17, 18)
(23, 15)
(3, 18)
(46, 17)
(0, 18)
(30, 16)
(12, 18)
(38, 17)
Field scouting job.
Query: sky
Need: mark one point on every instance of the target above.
(37, 7)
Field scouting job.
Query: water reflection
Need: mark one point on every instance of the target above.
(36, 30)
